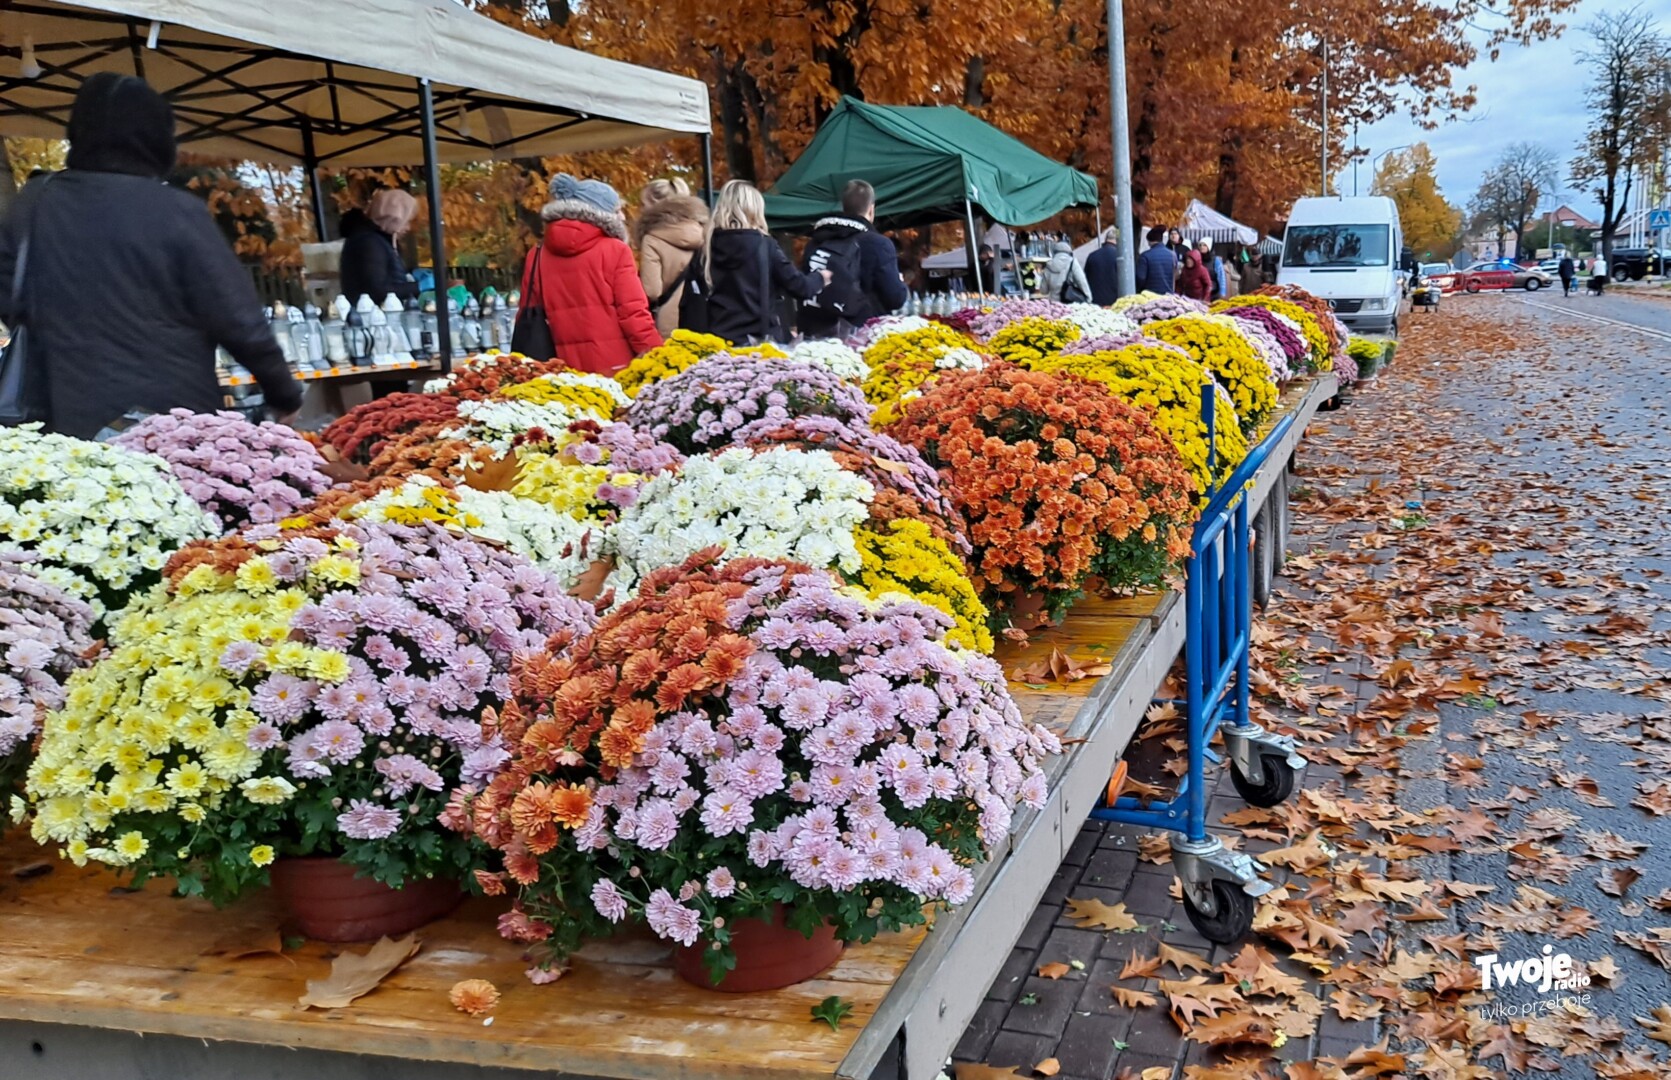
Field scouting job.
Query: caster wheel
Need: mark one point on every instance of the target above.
(1284, 521)
(1233, 919)
(1262, 554)
(1278, 784)
(1331, 405)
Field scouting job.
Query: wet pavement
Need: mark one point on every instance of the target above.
(1472, 644)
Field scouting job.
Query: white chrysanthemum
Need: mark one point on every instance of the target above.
(841, 360)
(498, 423)
(100, 519)
(776, 503)
(557, 542)
(1094, 321)
(877, 329)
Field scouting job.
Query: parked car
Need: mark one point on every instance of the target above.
(1635, 263)
(1503, 274)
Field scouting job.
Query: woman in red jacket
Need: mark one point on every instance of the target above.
(583, 275)
(1193, 279)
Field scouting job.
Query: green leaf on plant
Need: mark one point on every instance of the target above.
(832, 1010)
(1029, 999)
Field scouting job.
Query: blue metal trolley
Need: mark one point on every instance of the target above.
(1219, 885)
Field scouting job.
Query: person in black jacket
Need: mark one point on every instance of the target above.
(371, 263)
(732, 282)
(1157, 267)
(1102, 270)
(129, 286)
(863, 264)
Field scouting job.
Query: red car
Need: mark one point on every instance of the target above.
(1484, 276)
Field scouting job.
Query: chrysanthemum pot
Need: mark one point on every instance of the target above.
(770, 956)
(328, 901)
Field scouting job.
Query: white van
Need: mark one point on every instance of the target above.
(1346, 252)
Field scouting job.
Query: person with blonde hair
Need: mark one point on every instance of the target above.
(733, 281)
(669, 230)
(371, 264)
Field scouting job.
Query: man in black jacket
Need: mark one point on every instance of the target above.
(863, 266)
(1157, 267)
(1102, 270)
(128, 285)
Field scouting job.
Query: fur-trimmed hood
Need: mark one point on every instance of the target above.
(674, 219)
(586, 213)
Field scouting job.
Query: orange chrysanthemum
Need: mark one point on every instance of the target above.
(474, 996)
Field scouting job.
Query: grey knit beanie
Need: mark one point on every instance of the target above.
(594, 193)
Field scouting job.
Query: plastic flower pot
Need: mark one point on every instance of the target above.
(326, 899)
(770, 956)
(1387, 354)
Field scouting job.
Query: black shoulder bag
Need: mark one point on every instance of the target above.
(531, 336)
(22, 389)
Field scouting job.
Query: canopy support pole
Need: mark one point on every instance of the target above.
(437, 242)
(316, 197)
(1123, 216)
(707, 168)
(974, 247)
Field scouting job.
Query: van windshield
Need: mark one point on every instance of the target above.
(1336, 245)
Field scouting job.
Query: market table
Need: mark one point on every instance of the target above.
(100, 981)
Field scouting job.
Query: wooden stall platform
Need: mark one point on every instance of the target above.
(98, 981)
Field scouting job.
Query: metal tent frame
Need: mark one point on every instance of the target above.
(296, 84)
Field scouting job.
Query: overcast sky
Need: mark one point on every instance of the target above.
(1533, 94)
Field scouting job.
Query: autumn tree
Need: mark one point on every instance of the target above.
(1410, 179)
(1629, 99)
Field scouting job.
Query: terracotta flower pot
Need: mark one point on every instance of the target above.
(1027, 611)
(770, 956)
(329, 903)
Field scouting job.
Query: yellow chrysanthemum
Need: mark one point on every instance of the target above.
(261, 855)
(1028, 340)
(903, 556)
(1219, 345)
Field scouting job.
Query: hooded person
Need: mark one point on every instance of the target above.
(863, 266)
(582, 276)
(734, 283)
(1062, 278)
(128, 286)
(371, 264)
(668, 232)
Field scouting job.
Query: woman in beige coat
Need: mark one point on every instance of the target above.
(668, 232)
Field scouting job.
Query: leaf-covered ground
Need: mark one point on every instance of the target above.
(1472, 643)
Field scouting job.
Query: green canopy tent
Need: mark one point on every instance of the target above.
(928, 164)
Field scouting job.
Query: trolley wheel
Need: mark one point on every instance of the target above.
(1262, 555)
(1233, 920)
(1278, 785)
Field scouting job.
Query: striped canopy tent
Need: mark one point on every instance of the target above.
(1201, 220)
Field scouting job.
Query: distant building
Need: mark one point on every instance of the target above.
(1567, 218)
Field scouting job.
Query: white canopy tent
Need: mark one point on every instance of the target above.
(1201, 220)
(336, 81)
(341, 82)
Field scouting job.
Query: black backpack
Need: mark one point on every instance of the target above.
(844, 297)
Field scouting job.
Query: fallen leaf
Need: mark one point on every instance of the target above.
(964, 1070)
(1133, 999)
(1097, 915)
(493, 474)
(1053, 971)
(356, 974)
(1048, 1067)
(1182, 959)
(1139, 967)
(1659, 1026)
(1614, 882)
(1059, 667)
(241, 943)
(1656, 943)
(38, 868)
